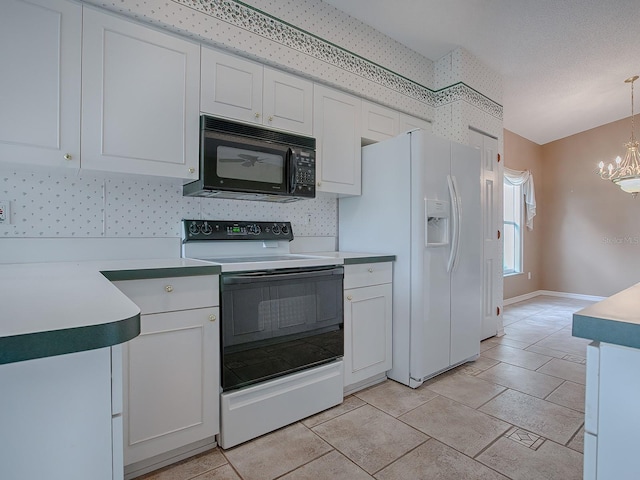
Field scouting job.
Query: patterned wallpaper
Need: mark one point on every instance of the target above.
(307, 37)
(46, 204)
(354, 57)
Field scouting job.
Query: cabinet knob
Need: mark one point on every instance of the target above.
(67, 156)
(370, 270)
(349, 298)
(168, 288)
(212, 318)
(257, 115)
(191, 170)
(270, 118)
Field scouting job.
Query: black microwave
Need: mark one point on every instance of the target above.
(249, 162)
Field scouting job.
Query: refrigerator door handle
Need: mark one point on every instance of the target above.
(456, 217)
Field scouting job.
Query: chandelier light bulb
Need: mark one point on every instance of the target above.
(626, 171)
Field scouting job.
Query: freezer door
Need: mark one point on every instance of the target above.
(430, 298)
(466, 278)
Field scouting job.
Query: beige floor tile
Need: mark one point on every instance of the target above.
(370, 438)
(463, 428)
(538, 416)
(549, 352)
(524, 336)
(224, 472)
(465, 389)
(565, 343)
(507, 340)
(189, 468)
(570, 395)
(394, 398)
(434, 460)
(332, 466)
(549, 462)
(275, 454)
(521, 379)
(577, 442)
(349, 403)
(516, 356)
(574, 372)
(483, 363)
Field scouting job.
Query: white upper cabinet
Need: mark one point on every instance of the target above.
(378, 122)
(231, 86)
(40, 82)
(288, 102)
(407, 122)
(240, 89)
(336, 126)
(140, 99)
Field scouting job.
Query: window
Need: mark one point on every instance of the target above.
(512, 262)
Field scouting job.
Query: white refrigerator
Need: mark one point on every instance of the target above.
(421, 201)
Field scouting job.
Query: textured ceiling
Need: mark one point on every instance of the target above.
(563, 61)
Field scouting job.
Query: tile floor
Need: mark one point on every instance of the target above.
(515, 413)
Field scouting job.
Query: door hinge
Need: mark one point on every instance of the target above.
(498, 158)
(498, 234)
(498, 311)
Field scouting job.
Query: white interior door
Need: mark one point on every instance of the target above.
(491, 201)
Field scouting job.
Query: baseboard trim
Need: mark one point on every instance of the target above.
(551, 293)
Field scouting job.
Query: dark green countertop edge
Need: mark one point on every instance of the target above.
(607, 331)
(147, 273)
(30, 346)
(374, 259)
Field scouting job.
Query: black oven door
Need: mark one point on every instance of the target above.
(275, 323)
(244, 164)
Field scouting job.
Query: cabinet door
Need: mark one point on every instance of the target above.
(288, 102)
(231, 86)
(40, 82)
(140, 107)
(378, 123)
(367, 332)
(407, 122)
(336, 126)
(171, 381)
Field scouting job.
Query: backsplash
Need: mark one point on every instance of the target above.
(50, 204)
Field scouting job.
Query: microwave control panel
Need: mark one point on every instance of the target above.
(194, 230)
(305, 175)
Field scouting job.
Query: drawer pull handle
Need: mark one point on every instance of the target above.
(370, 270)
(168, 288)
(349, 298)
(212, 318)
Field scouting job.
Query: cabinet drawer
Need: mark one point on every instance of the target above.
(366, 274)
(172, 293)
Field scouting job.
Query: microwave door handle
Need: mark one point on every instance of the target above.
(292, 167)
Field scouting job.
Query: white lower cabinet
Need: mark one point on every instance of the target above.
(171, 372)
(367, 323)
(56, 418)
(611, 416)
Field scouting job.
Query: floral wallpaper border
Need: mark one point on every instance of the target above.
(267, 26)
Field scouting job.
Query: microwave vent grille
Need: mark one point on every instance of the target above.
(251, 131)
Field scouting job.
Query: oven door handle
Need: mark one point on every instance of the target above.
(255, 277)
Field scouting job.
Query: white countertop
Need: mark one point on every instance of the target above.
(67, 299)
(614, 320)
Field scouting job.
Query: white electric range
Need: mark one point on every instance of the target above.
(281, 325)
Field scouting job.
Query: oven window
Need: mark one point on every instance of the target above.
(275, 324)
(252, 165)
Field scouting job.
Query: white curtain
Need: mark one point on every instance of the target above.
(524, 179)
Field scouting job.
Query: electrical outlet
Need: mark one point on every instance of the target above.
(5, 212)
(529, 275)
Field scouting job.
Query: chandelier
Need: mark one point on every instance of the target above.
(626, 171)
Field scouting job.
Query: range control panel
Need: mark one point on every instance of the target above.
(225, 230)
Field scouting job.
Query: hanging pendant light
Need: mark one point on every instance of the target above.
(626, 171)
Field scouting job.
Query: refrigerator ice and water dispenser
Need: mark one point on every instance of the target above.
(437, 223)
